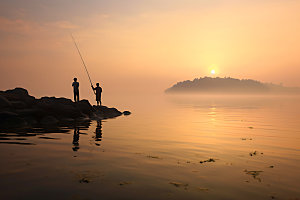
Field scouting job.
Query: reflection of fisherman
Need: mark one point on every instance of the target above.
(76, 90)
(76, 139)
(99, 131)
(98, 90)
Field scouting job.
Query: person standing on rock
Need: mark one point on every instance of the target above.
(76, 90)
(98, 90)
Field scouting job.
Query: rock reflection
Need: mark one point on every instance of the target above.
(13, 135)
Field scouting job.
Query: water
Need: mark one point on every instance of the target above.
(253, 144)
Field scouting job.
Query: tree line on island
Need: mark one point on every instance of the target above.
(228, 85)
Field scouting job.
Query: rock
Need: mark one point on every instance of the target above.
(85, 107)
(19, 94)
(105, 112)
(18, 109)
(18, 104)
(58, 107)
(11, 120)
(126, 112)
(4, 103)
(49, 120)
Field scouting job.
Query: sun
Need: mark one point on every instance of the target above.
(213, 72)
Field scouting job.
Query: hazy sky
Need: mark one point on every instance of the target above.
(136, 45)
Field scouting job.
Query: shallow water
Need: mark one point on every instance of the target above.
(191, 147)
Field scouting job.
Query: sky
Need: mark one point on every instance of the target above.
(138, 46)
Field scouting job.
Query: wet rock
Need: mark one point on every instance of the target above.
(105, 112)
(126, 112)
(124, 183)
(59, 107)
(18, 104)
(49, 120)
(177, 184)
(4, 103)
(11, 120)
(18, 94)
(27, 110)
(85, 107)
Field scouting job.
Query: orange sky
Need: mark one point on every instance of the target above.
(134, 46)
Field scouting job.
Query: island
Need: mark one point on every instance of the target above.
(227, 85)
(19, 109)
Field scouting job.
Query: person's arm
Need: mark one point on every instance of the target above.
(92, 87)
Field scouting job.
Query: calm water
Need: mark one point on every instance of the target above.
(162, 151)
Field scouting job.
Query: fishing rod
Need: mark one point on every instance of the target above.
(87, 72)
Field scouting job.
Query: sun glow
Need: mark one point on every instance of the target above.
(213, 72)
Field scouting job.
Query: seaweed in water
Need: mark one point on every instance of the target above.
(254, 174)
(124, 183)
(177, 184)
(209, 160)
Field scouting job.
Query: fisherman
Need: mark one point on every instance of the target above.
(76, 90)
(98, 90)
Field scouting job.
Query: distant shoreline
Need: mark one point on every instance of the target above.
(232, 86)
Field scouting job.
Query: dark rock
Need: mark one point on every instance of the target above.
(19, 109)
(18, 104)
(4, 103)
(85, 107)
(49, 120)
(11, 120)
(58, 107)
(126, 112)
(105, 112)
(19, 94)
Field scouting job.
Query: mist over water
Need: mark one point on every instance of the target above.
(171, 147)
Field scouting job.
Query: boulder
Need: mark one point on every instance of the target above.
(85, 107)
(19, 109)
(58, 107)
(49, 120)
(126, 112)
(19, 94)
(4, 103)
(11, 120)
(105, 112)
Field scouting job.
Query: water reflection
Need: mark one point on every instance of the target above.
(14, 135)
(98, 136)
(76, 139)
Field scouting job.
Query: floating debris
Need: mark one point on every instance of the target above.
(255, 153)
(124, 183)
(271, 166)
(209, 160)
(250, 127)
(154, 157)
(202, 189)
(246, 138)
(254, 174)
(177, 184)
(84, 180)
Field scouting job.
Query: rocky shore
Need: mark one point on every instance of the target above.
(19, 109)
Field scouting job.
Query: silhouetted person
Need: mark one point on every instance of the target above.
(76, 139)
(98, 90)
(76, 90)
